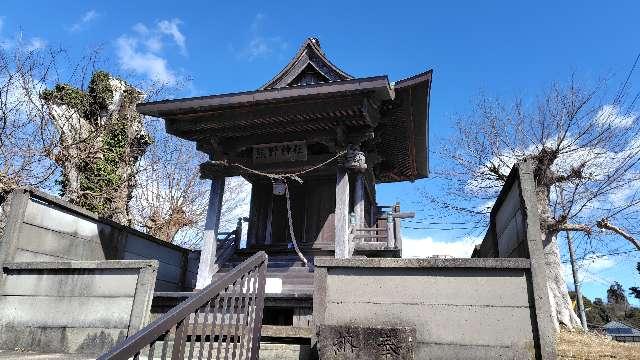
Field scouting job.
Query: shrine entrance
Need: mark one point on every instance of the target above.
(329, 136)
(314, 142)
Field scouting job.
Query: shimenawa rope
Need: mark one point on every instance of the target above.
(283, 177)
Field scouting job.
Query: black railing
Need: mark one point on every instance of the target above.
(221, 321)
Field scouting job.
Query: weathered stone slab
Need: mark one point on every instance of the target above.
(345, 342)
(75, 306)
(44, 228)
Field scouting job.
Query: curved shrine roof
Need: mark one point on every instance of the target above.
(312, 94)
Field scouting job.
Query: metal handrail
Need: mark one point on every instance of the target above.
(176, 317)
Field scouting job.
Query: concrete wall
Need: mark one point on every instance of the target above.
(506, 235)
(73, 307)
(493, 305)
(461, 308)
(45, 228)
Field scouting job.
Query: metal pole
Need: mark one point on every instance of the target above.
(576, 282)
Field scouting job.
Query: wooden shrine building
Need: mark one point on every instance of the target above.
(337, 134)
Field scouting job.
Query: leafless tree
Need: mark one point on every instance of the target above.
(27, 136)
(586, 144)
(170, 201)
(53, 139)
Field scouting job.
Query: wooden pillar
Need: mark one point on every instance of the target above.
(358, 200)
(239, 233)
(208, 266)
(374, 213)
(342, 214)
(268, 229)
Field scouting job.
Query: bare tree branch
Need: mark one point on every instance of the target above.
(606, 225)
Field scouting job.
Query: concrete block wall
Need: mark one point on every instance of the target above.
(461, 308)
(45, 228)
(494, 305)
(508, 221)
(73, 307)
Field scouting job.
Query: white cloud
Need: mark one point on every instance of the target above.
(256, 24)
(426, 247)
(589, 269)
(34, 44)
(259, 45)
(153, 44)
(5, 43)
(486, 206)
(609, 115)
(600, 163)
(21, 96)
(86, 18)
(598, 263)
(142, 51)
(170, 27)
(146, 63)
(19, 40)
(141, 29)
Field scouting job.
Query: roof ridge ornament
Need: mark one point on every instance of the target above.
(309, 66)
(316, 41)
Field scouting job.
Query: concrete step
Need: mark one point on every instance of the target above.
(27, 355)
(268, 350)
(276, 351)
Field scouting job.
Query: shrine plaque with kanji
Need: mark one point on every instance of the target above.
(346, 342)
(282, 152)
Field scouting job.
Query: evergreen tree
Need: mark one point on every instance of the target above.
(635, 290)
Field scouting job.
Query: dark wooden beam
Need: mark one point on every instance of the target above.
(236, 143)
(371, 112)
(245, 116)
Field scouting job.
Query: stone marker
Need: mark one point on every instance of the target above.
(345, 342)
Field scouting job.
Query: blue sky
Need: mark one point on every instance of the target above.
(502, 48)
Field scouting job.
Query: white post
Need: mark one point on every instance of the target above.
(391, 242)
(208, 266)
(342, 214)
(358, 200)
(576, 282)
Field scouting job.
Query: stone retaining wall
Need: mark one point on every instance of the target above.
(42, 227)
(73, 307)
(461, 308)
(494, 305)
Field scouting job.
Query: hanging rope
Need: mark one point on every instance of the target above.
(295, 175)
(283, 177)
(293, 236)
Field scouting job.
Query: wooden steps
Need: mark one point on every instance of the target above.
(296, 278)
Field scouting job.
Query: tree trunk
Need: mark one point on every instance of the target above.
(557, 287)
(102, 137)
